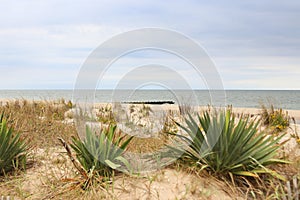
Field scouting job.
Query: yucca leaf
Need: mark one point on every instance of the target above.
(112, 165)
(279, 161)
(12, 150)
(124, 161)
(125, 144)
(269, 171)
(245, 173)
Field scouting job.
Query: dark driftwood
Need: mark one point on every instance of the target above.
(74, 161)
(150, 102)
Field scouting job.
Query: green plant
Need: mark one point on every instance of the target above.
(101, 154)
(277, 119)
(223, 144)
(13, 150)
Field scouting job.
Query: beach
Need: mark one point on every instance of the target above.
(239, 110)
(50, 167)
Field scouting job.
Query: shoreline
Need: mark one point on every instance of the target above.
(165, 105)
(245, 110)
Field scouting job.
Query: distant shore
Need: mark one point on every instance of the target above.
(286, 99)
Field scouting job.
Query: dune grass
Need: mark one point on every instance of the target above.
(277, 120)
(38, 122)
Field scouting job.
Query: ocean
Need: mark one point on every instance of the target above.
(286, 99)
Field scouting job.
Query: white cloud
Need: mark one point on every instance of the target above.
(248, 40)
(260, 72)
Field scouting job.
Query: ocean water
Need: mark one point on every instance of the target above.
(286, 99)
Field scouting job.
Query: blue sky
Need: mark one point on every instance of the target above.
(254, 44)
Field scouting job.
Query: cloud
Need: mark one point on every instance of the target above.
(260, 72)
(247, 39)
(37, 78)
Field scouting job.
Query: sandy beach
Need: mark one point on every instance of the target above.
(251, 111)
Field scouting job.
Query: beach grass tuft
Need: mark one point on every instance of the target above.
(276, 119)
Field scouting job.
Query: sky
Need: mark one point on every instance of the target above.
(254, 44)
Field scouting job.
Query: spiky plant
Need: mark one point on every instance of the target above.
(223, 144)
(13, 150)
(101, 154)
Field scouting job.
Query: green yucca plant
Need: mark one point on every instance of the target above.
(103, 153)
(13, 150)
(224, 144)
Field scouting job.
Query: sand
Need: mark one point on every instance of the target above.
(252, 111)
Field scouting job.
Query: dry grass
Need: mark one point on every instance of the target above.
(39, 122)
(147, 145)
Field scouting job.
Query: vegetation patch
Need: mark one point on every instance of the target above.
(223, 156)
(277, 119)
(13, 150)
